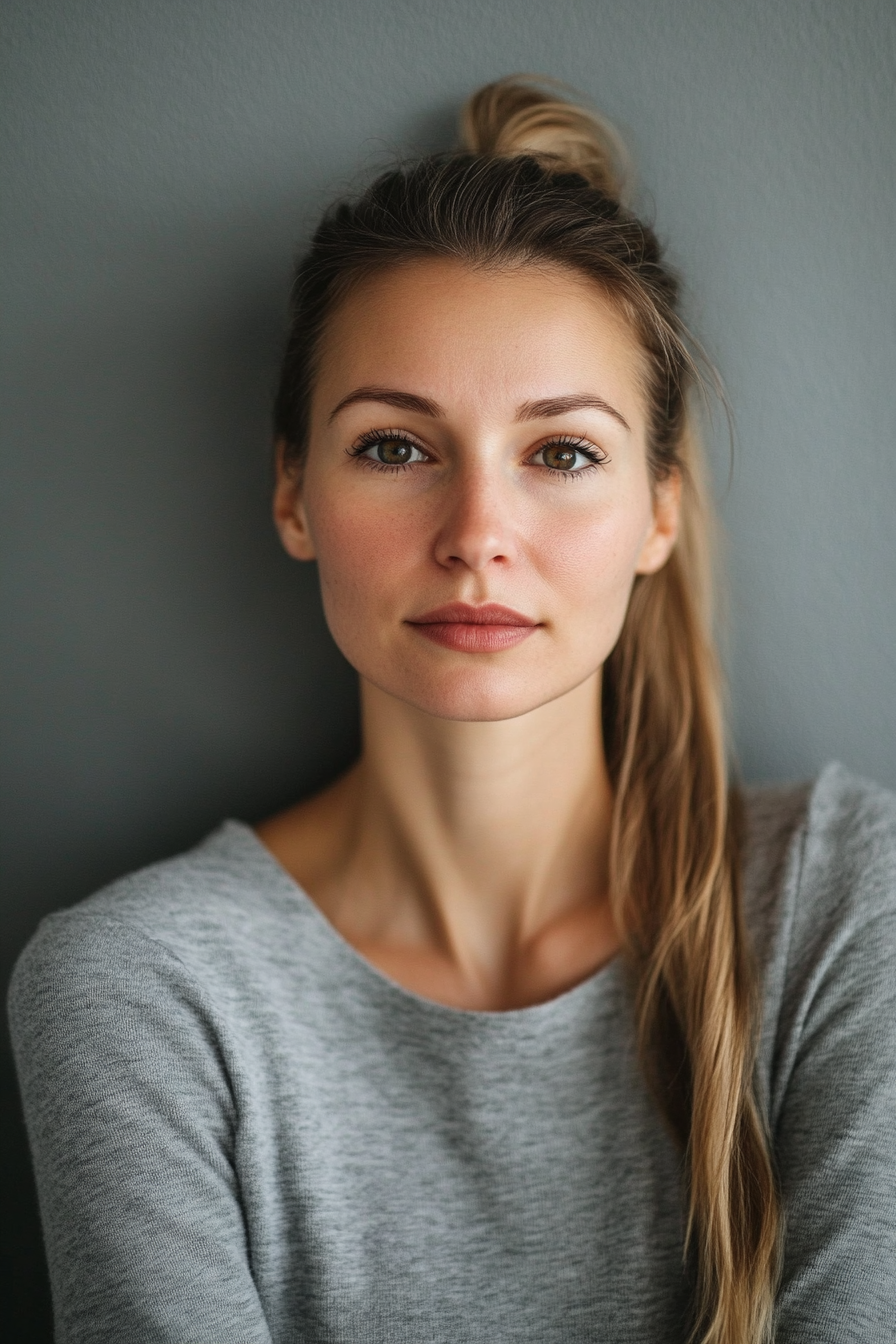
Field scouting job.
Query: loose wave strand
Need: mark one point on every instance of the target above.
(675, 884)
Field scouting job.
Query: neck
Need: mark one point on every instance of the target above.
(473, 837)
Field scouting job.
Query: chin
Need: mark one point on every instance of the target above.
(482, 696)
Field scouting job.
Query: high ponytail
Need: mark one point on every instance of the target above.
(543, 180)
(518, 116)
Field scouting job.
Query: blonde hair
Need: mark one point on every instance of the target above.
(542, 178)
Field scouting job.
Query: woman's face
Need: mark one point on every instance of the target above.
(477, 440)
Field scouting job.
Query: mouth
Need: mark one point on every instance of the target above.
(468, 629)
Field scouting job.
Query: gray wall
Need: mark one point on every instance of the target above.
(162, 160)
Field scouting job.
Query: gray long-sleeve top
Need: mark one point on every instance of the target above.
(244, 1133)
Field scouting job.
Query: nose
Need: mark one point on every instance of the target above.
(476, 528)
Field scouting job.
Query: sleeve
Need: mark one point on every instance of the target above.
(835, 1131)
(131, 1122)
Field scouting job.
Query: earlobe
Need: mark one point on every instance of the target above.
(663, 533)
(289, 511)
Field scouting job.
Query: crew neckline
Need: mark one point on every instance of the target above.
(599, 982)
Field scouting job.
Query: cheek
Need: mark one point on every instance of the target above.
(591, 558)
(363, 548)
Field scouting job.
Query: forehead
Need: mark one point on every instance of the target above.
(485, 338)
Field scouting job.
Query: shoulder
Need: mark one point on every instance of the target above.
(820, 904)
(818, 853)
(228, 875)
(843, 937)
(819, 893)
(851, 834)
(210, 918)
(831, 846)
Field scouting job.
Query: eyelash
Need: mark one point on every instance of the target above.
(595, 456)
(373, 436)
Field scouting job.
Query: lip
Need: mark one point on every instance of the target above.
(491, 613)
(485, 629)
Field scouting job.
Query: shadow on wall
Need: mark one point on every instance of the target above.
(177, 665)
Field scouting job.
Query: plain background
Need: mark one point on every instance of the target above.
(163, 160)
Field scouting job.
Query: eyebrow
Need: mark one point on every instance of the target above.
(585, 401)
(530, 410)
(405, 401)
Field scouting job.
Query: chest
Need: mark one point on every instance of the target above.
(403, 1182)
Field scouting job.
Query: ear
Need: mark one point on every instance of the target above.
(664, 528)
(289, 508)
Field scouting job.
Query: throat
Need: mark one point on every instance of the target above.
(468, 862)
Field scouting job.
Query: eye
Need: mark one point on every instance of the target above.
(569, 457)
(385, 448)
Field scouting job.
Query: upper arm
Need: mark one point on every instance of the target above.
(835, 1132)
(131, 1123)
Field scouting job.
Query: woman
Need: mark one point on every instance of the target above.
(526, 1028)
